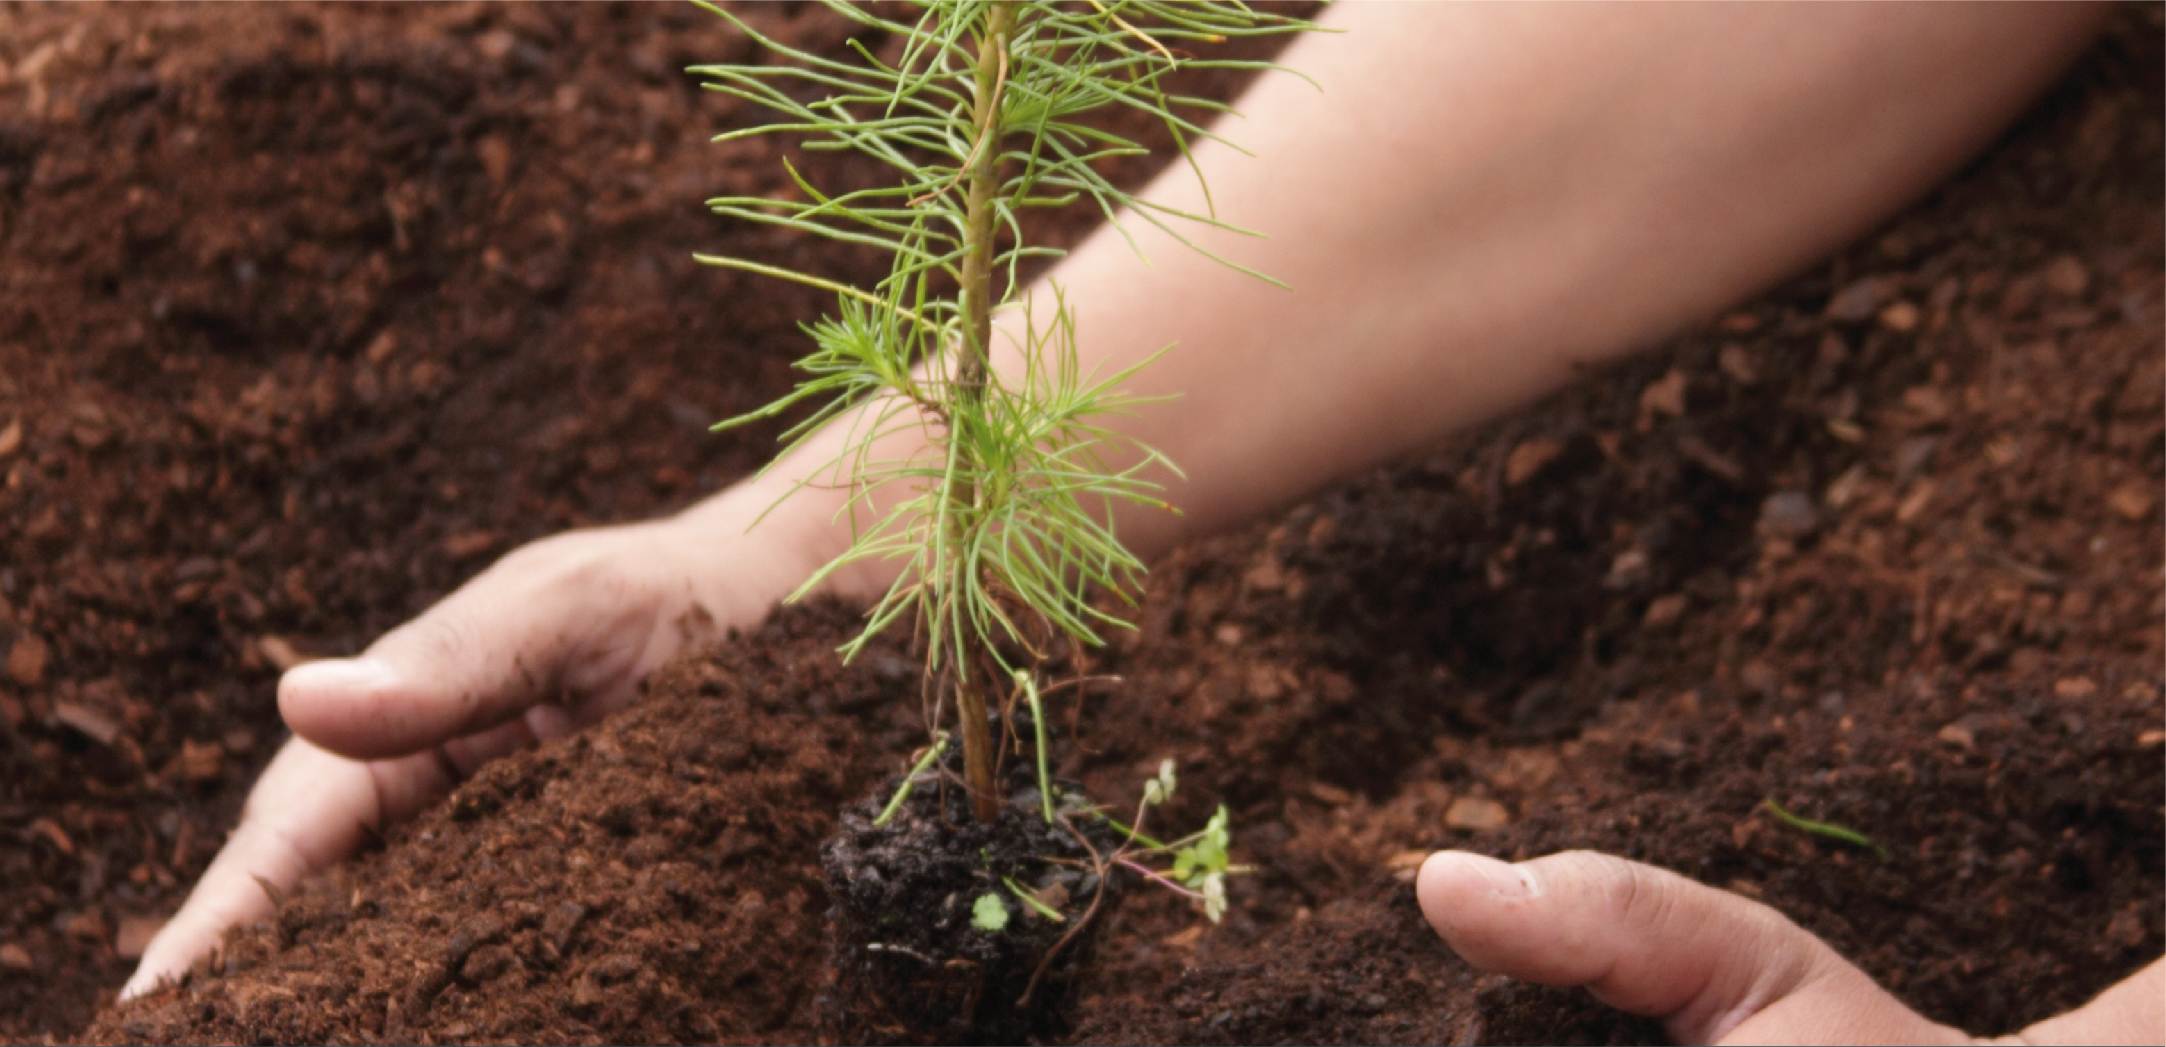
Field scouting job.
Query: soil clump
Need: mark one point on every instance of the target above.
(913, 953)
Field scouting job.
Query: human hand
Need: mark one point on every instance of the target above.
(1714, 967)
(554, 636)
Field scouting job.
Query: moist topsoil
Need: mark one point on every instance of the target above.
(310, 312)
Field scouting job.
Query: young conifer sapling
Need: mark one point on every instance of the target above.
(1000, 519)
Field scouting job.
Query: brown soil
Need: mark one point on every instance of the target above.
(312, 311)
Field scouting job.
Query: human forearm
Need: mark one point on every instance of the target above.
(1481, 200)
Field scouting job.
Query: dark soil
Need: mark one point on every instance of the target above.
(312, 311)
(309, 313)
(906, 962)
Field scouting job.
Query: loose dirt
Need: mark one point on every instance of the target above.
(311, 312)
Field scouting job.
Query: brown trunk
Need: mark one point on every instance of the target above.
(977, 747)
(977, 289)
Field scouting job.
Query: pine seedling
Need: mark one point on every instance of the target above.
(981, 112)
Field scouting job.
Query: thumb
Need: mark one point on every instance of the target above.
(572, 618)
(1715, 967)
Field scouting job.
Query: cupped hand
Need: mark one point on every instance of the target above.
(1712, 966)
(554, 636)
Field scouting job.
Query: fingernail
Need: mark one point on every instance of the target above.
(1505, 878)
(339, 674)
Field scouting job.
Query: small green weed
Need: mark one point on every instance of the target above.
(1827, 829)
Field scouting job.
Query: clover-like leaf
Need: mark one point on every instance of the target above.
(1207, 855)
(989, 914)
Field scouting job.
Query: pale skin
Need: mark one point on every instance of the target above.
(1484, 201)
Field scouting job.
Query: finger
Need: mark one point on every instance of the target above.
(2132, 1010)
(310, 809)
(538, 724)
(1715, 967)
(562, 615)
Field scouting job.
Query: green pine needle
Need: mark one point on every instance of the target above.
(1006, 531)
(1827, 829)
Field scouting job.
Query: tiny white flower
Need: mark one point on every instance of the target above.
(1214, 897)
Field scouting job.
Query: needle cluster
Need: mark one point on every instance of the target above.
(981, 110)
